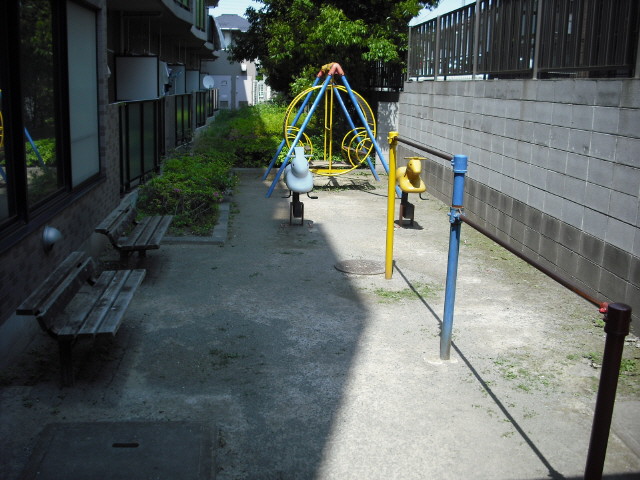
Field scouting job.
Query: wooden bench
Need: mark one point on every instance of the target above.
(72, 304)
(128, 235)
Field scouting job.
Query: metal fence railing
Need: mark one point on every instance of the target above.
(212, 101)
(139, 137)
(528, 38)
(183, 118)
(201, 108)
(386, 76)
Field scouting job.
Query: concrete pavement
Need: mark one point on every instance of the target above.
(301, 371)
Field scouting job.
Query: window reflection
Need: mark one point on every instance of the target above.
(39, 115)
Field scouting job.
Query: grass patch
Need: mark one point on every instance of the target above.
(424, 290)
(220, 358)
(194, 183)
(525, 376)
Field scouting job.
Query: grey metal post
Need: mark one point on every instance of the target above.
(536, 45)
(616, 327)
(476, 38)
(436, 56)
(409, 53)
(637, 71)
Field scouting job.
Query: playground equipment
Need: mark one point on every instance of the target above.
(409, 181)
(355, 147)
(299, 180)
(358, 138)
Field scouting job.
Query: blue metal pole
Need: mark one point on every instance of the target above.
(299, 135)
(364, 122)
(295, 120)
(459, 164)
(367, 128)
(35, 149)
(353, 127)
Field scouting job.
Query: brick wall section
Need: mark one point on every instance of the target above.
(554, 168)
(27, 264)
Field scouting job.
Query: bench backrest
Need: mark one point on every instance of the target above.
(54, 293)
(117, 223)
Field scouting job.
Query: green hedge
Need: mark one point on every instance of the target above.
(193, 184)
(251, 135)
(190, 187)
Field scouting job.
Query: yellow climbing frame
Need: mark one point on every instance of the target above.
(356, 146)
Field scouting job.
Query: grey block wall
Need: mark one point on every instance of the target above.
(554, 168)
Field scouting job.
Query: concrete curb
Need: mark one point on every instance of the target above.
(218, 234)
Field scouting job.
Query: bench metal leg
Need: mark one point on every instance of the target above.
(66, 365)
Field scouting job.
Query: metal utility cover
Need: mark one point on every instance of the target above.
(122, 450)
(361, 267)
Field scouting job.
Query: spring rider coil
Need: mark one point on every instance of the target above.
(299, 180)
(409, 181)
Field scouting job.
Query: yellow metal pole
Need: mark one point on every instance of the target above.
(331, 128)
(391, 204)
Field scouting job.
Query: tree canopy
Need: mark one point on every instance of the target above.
(292, 39)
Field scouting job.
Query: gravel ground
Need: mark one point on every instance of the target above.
(303, 371)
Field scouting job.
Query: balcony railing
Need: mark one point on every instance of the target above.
(511, 38)
(139, 147)
(183, 118)
(201, 108)
(212, 101)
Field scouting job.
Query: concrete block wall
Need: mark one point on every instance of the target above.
(554, 168)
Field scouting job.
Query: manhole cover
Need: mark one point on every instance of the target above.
(117, 450)
(361, 267)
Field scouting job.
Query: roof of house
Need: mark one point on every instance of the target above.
(229, 21)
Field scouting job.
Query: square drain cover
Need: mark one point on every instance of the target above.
(123, 450)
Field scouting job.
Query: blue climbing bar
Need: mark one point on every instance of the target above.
(459, 164)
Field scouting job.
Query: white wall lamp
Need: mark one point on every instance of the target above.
(50, 236)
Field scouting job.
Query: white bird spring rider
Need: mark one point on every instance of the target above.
(299, 180)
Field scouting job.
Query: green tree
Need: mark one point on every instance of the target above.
(294, 38)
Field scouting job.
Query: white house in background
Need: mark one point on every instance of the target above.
(236, 82)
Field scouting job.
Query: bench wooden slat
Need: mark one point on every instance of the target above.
(81, 306)
(127, 235)
(110, 287)
(111, 322)
(33, 304)
(107, 224)
(147, 234)
(139, 236)
(61, 296)
(116, 223)
(161, 229)
(57, 291)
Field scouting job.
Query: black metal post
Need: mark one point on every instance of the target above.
(617, 323)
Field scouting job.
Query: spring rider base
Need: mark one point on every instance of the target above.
(299, 180)
(409, 181)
